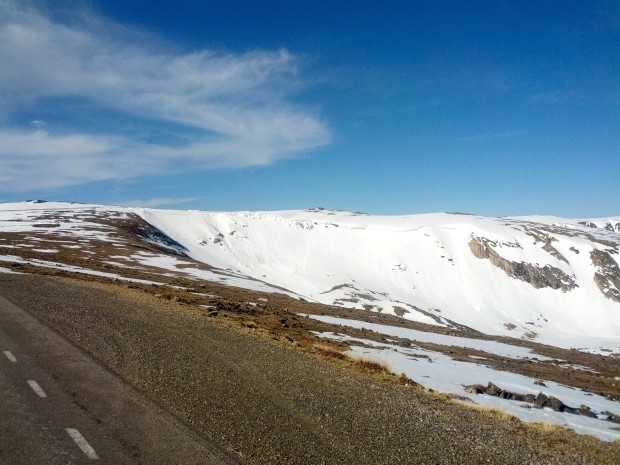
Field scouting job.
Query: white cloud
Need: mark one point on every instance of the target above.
(235, 104)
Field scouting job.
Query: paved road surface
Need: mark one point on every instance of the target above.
(60, 406)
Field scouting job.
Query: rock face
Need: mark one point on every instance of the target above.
(149, 233)
(607, 278)
(613, 227)
(538, 277)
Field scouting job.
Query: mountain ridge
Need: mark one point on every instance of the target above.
(550, 279)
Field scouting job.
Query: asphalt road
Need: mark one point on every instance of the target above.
(60, 406)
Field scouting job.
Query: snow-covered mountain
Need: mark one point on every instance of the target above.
(553, 280)
(550, 279)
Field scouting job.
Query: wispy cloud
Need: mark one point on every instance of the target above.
(237, 106)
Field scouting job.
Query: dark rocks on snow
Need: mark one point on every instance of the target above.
(492, 390)
(607, 278)
(539, 401)
(537, 276)
(612, 417)
(150, 234)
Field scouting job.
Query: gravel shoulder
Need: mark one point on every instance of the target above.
(267, 401)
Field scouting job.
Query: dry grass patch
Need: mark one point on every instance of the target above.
(371, 365)
(365, 364)
(495, 413)
(329, 351)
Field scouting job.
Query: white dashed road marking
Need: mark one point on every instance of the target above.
(36, 388)
(82, 444)
(10, 356)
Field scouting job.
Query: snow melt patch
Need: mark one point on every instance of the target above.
(491, 347)
(73, 269)
(434, 370)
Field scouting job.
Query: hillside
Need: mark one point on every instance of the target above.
(553, 280)
(482, 309)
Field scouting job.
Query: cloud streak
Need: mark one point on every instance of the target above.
(237, 107)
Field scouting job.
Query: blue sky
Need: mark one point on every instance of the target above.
(496, 108)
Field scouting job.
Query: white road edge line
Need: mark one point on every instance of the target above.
(10, 356)
(36, 388)
(82, 443)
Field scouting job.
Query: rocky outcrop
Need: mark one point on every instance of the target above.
(547, 240)
(539, 401)
(537, 276)
(612, 227)
(492, 390)
(148, 233)
(607, 278)
(609, 226)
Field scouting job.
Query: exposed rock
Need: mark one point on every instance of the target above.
(400, 311)
(150, 234)
(612, 417)
(543, 401)
(552, 250)
(546, 239)
(612, 227)
(539, 401)
(586, 412)
(493, 390)
(607, 278)
(475, 389)
(554, 404)
(530, 335)
(537, 276)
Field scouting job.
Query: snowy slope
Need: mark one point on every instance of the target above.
(553, 280)
(421, 266)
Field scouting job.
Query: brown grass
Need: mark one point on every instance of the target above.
(371, 365)
(365, 364)
(329, 351)
(496, 413)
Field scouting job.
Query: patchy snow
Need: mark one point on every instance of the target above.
(60, 219)
(7, 271)
(179, 265)
(437, 371)
(491, 347)
(73, 269)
